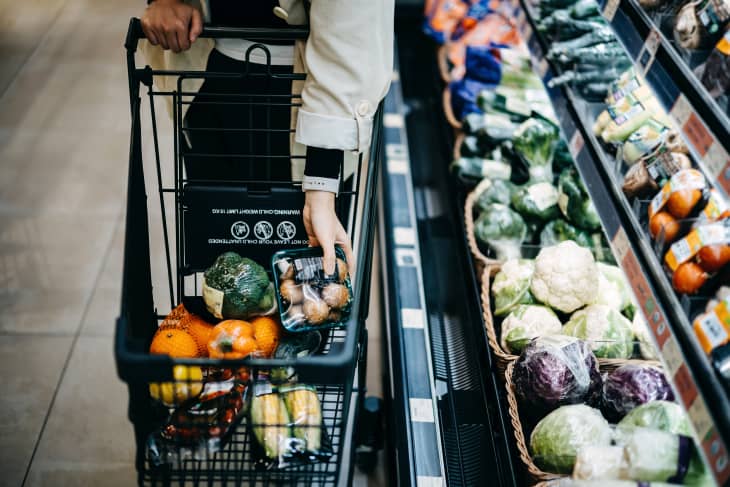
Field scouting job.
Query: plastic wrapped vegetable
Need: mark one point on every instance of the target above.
(511, 286)
(566, 277)
(632, 385)
(463, 96)
(659, 415)
(641, 332)
(270, 424)
(494, 191)
(559, 230)
(501, 229)
(658, 456)
(305, 413)
(526, 322)
(535, 140)
(237, 287)
(607, 330)
(599, 463)
(557, 438)
(537, 201)
(575, 203)
(481, 64)
(554, 370)
(613, 289)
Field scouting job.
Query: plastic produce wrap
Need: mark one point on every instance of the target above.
(613, 289)
(537, 201)
(502, 229)
(464, 93)
(442, 18)
(237, 287)
(659, 415)
(495, 191)
(566, 482)
(287, 423)
(641, 333)
(606, 329)
(559, 230)
(199, 427)
(309, 299)
(535, 140)
(599, 463)
(713, 327)
(680, 195)
(658, 456)
(493, 28)
(291, 347)
(575, 203)
(482, 65)
(715, 73)
(554, 370)
(559, 436)
(526, 322)
(632, 385)
(566, 277)
(511, 285)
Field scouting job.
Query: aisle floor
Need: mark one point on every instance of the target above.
(64, 134)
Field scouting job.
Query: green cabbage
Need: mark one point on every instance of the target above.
(526, 322)
(559, 436)
(535, 140)
(613, 289)
(607, 330)
(575, 203)
(496, 191)
(537, 201)
(661, 415)
(502, 229)
(237, 287)
(511, 285)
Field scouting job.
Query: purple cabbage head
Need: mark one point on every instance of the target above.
(555, 370)
(632, 385)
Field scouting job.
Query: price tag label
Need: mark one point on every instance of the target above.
(700, 418)
(620, 244)
(716, 454)
(672, 356)
(648, 51)
(697, 134)
(685, 385)
(681, 110)
(576, 144)
(717, 159)
(609, 11)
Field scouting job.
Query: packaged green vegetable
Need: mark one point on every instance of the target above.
(607, 330)
(511, 285)
(535, 140)
(493, 191)
(537, 201)
(502, 229)
(575, 203)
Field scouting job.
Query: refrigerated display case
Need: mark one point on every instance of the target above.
(450, 420)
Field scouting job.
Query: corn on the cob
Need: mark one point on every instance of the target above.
(306, 416)
(270, 421)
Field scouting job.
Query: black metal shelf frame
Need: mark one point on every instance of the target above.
(693, 379)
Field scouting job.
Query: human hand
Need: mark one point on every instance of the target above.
(172, 24)
(324, 228)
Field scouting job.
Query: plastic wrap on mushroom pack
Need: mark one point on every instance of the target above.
(200, 427)
(309, 299)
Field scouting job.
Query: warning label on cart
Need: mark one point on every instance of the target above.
(218, 219)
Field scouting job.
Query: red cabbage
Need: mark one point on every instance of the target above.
(632, 385)
(555, 370)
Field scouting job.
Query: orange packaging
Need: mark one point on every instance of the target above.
(493, 28)
(716, 209)
(713, 328)
(686, 179)
(685, 249)
(444, 15)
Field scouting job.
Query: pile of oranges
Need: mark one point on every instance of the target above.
(185, 335)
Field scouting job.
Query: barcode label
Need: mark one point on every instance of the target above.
(715, 333)
(308, 268)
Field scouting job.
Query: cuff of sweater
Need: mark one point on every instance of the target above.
(322, 169)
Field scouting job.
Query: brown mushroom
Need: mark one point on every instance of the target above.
(291, 292)
(315, 311)
(336, 295)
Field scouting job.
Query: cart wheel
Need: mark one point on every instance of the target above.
(370, 434)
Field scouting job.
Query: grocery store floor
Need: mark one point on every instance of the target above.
(64, 134)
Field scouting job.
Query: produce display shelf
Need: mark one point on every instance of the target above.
(694, 381)
(446, 418)
(705, 125)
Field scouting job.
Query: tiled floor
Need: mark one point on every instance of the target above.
(64, 132)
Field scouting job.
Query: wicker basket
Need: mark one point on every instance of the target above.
(448, 110)
(502, 356)
(481, 261)
(442, 59)
(514, 415)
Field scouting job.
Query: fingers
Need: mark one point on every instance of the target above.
(196, 25)
(171, 36)
(343, 240)
(183, 39)
(328, 258)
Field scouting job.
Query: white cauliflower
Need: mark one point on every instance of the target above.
(566, 276)
(526, 322)
(613, 290)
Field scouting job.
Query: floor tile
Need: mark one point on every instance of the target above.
(48, 266)
(31, 370)
(88, 439)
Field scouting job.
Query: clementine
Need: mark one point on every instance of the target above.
(172, 341)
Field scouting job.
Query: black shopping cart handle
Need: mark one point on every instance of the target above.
(135, 33)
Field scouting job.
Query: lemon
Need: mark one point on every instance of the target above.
(188, 384)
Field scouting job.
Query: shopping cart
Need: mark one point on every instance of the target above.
(203, 227)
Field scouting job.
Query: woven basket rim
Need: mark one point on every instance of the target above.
(442, 59)
(448, 111)
(471, 199)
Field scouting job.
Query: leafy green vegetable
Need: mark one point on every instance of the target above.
(496, 191)
(613, 289)
(237, 287)
(511, 285)
(607, 330)
(660, 415)
(537, 201)
(558, 231)
(559, 436)
(535, 140)
(562, 159)
(575, 203)
(526, 322)
(502, 229)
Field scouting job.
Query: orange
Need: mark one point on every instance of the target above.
(174, 342)
(267, 332)
(200, 331)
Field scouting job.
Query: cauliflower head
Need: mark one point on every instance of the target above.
(565, 277)
(526, 322)
(613, 289)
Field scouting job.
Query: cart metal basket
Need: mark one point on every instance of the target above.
(202, 209)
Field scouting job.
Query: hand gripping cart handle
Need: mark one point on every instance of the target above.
(232, 191)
